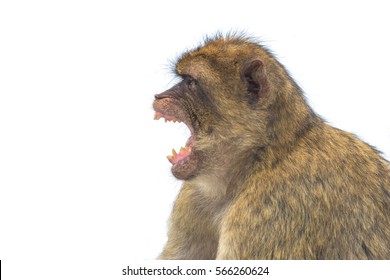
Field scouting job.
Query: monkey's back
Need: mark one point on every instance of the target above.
(329, 198)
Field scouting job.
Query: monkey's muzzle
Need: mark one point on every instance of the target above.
(184, 162)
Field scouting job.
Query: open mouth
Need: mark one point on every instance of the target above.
(184, 162)
(185, 151)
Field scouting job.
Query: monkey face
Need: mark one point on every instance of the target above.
(212, 120)
(187, 103)
(220, 102)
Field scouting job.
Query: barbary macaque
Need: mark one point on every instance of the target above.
(264, 176)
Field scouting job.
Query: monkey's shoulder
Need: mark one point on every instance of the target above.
(328, 171)
(331, 154)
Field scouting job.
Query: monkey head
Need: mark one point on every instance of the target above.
(224, 98)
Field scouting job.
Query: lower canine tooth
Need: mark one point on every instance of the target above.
(174, 152)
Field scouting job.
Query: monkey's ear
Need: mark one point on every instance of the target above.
(255, 79)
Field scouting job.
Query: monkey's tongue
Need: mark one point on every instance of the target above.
(183, 153)
(176, 157)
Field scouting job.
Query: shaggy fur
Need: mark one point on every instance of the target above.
(269, 178)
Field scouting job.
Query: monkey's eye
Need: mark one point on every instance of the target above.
(191, 82)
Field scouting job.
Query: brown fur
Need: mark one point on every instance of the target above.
(273, 180)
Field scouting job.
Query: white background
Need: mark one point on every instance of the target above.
(85, 186)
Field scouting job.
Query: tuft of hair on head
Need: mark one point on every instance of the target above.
(235, 37)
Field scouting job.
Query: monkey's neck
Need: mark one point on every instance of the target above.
(224, 176)
(292, 120)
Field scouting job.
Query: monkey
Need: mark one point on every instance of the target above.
(264, 176)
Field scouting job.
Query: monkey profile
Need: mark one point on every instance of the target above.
(264, 176)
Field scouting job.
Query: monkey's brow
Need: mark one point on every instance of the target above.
(185, 76)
